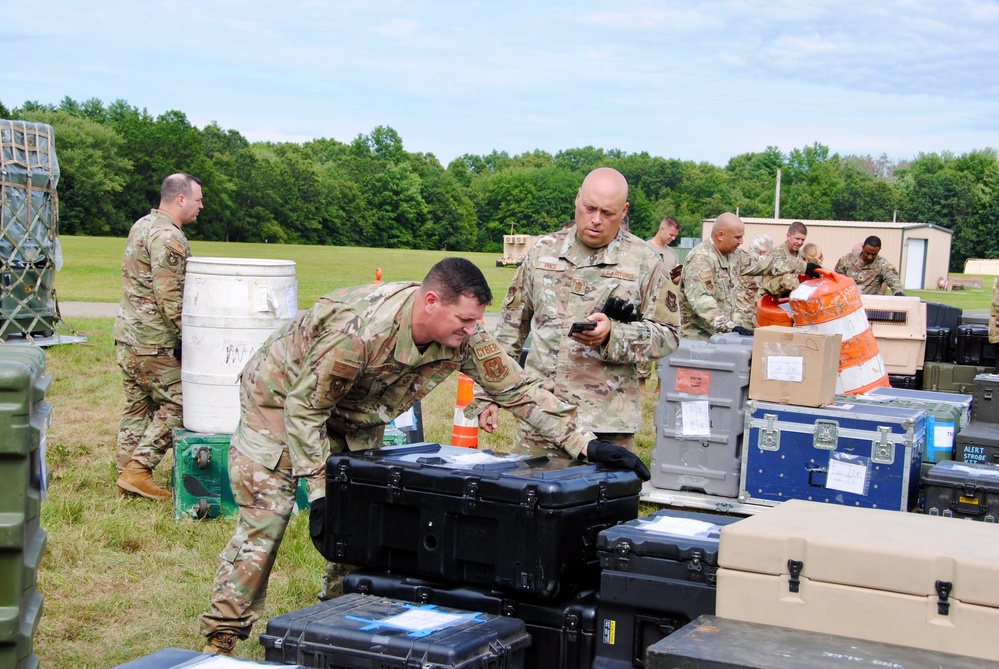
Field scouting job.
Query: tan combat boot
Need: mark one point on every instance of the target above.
(138, 479)
(221, 643)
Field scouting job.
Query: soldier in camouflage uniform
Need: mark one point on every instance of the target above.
(795, 238)
(147, 334)
(568, 276)
(872, 273)
(711, 278)
(330, 381)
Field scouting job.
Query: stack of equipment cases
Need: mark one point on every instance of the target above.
(962, 490)
(719, 643)
(518, 524)
(946, 415)
(979, 442)
(703, 387)
(851, 454)
(201, 474)
(355, 631)
(24, 417)
(901, 578)
(658, 574)
(563, 632)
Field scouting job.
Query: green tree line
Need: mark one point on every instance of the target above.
(372, 192)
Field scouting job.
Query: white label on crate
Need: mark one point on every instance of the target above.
(684, 527)
(847, 476)
(404, 420)
(696, 421)
(785, 368)
(418, 620)
(943, 436)
(474, 457)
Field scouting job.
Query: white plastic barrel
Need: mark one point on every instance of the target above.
(231, 306)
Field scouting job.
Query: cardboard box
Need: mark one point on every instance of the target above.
(794, 367)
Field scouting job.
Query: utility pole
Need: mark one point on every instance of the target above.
(777, 198)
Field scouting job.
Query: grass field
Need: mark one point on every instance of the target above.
(120, 577)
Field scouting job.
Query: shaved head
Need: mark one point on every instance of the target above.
(601, 203)
(727, 233)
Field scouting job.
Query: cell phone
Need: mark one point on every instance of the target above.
(581, 326)
(675, 272)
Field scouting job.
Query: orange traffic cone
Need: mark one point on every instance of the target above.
(466, 430)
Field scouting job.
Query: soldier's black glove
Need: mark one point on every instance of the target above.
(620, 310)
(810, 270)
(317, 517)
(617, 457)
(899, 293)
(176, 351)
(739, 330)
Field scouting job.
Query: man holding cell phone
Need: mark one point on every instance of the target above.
(596, 302)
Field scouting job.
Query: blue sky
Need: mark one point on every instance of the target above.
(700, 81)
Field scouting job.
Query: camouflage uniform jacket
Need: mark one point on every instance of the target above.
(338, 373)
(152, 280)
(870, 278)
(994, 314)
(710, 285)
(561, 281)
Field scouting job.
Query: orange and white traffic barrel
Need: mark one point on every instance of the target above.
(466, 430)
(832, 304)
(772, 311)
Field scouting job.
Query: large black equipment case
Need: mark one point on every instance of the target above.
(516, 523)
(563, 632)
(364, 631)
(973, 347)
(658, 575)
(718, 643)
(962, 490)
(938, 345)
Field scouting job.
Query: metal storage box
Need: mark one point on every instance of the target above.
(703, 387)
(945, 377)
(946, 415)
(563, 632)
(962, 490)
(852, 454)
(658, 575)
(355, 631)
(475, 517)
(985, 402)
(979, 442)
(711, 642)
(901, 578)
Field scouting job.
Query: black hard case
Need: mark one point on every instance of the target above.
(364, 631)
(525, 525)
(979, 442)
(563, 632)
(654, 581)
(938, 345)
(973, 347)
(717, 643)
(985, 399)
(907, 381)
(962, 490)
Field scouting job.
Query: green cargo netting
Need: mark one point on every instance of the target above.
(29, 238)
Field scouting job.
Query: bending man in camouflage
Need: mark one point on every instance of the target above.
(331, 380)
(711, 279)
(568, 276)
(872, 273)
(147, 334)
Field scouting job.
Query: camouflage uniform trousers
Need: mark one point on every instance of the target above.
(527, 442)
(266, 499)
(153, 407)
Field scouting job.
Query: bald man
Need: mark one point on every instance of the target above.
(567, 277)
(711, 276)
